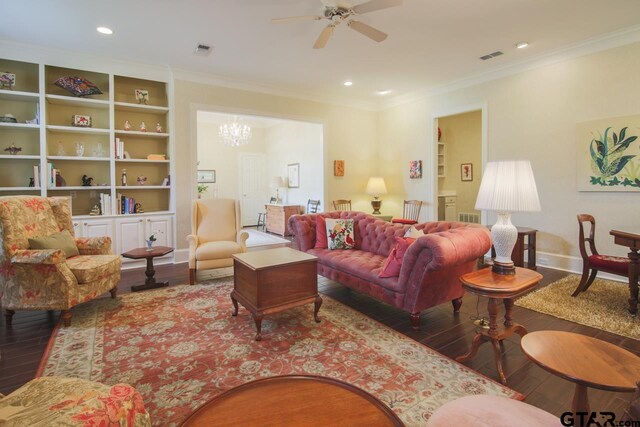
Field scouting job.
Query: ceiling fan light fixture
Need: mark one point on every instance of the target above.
(348, 83)
(522, 45)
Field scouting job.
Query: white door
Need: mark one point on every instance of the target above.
(253, 194)
(162, 227)
(129, 234)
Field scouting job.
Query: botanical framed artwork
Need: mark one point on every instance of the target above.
(608, 155)
(415, 169)
(466, 172)
(293, 175)
(338, 168)
(207, 176)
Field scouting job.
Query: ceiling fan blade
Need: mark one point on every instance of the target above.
(373, 5)
(368, 31)
(324, 37)
(296, 18)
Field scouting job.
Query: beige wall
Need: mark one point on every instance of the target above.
(349, 134)
(462, 137)
(533, 115)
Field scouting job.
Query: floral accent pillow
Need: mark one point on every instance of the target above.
(340, 234)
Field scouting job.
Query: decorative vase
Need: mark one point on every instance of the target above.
(149, 245)
(79, 149)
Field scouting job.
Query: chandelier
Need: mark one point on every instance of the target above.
(235, 133)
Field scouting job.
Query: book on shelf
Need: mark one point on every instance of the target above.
(119, 148)
(105, 204)
(126, 205)
(36, 176)
(157, 157)
(51, 175)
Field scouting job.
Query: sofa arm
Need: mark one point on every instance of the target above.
(38, 256)
(94, 245)
(241, 238)
(443, 254)
(303, 228)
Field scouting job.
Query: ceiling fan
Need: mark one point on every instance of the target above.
(339, 12)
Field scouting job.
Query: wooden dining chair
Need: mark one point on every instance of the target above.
(312, 206)
(595, 262)
(342, 205)
(410, 213)
(263, 215)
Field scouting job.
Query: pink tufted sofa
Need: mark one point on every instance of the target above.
(430, 269)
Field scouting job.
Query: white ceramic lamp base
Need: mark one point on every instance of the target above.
(504, 236)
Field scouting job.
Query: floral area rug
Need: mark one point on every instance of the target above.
(180, 347)
(603, 306)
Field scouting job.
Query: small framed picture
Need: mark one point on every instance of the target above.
(81, 120)
(7, 80)
(207, 176)
(293, 173)
(466, 172)
(142, 96)
(415, 169)
(338, 168)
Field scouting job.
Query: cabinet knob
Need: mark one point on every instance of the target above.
(140, 220)
(148, 219)
(75, 224)
(85, 223)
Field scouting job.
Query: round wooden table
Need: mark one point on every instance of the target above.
(294, 400)
(586, 361)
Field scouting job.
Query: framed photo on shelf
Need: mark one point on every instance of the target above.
(142, 96)
(207, 176)
(466, 171)
(293, 175)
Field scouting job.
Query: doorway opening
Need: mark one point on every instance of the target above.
(260, 170)
(460, 159)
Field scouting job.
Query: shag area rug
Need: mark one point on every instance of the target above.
(603, 306)
(180, 347)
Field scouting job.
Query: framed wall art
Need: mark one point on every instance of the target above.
(338, 168)
(207, 176)
(415, 169)
(608, 154)
(293, 175)
(466, 172)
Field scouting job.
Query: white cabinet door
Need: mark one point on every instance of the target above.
(129, 234)
(77, 228)
(97, 228)
(162, 226)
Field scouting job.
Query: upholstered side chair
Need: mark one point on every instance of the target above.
(45, 279)
(592, 261)
(216, 234)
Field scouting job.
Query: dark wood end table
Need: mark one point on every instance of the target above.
(149, 255)
(294, 400)
(497, 287)
(273, 280)
(517, 255)
(630, 239)
(586, 361)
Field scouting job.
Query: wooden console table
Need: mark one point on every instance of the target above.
(631, 239)
(497, 287)
(278, 218)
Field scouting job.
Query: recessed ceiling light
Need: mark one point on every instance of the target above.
(348, 83)
(522, 45)
(104, 30)
(383, 92)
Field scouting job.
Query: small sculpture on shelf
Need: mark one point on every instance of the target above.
(141, 180)
(158, 128)
(12, 149)
(79, 149)
(143, 127)
(127, 125)
(138, 208)
(32, 182)
(87, 181)
(142, 96)
(95, 210)
(60, 181)
(123, 178)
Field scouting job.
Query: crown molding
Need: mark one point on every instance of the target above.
(608, 41)
(231, 83)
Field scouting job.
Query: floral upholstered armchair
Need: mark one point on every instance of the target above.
(45, 279)
(59, 401)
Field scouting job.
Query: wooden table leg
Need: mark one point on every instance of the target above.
(634, 267)
(257, 317)
(316, 307)
(492, 307)
(150, 283)
(235, 303)
(580, 399)
(498, 356)
(508, 312)
(475, 345)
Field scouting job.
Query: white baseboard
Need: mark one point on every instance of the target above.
(180, 256)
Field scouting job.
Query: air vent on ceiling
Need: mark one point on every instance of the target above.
(491, 55)
(202, 49)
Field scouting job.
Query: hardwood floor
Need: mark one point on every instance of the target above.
(22, 345)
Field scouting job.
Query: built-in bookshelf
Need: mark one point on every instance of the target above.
(50, 140)
(441, 158)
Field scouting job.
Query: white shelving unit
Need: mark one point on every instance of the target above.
(441, 159)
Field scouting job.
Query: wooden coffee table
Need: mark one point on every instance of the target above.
(294, 400)
(498, 287)
(269, 281)
(149, 255)
(586, 361)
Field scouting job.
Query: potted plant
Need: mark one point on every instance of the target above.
(152, 238)
(201, 189)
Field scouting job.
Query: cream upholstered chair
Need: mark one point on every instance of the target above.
(216, 234)
(45, 279)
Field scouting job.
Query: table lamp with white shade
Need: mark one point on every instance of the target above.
(507, 186)
(375, 188)
(277, 182)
